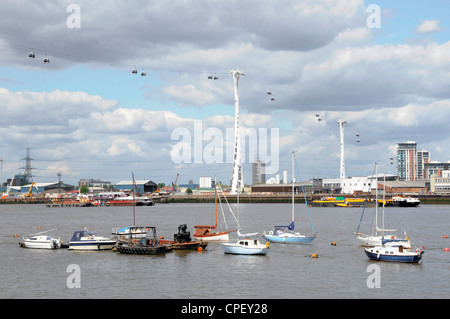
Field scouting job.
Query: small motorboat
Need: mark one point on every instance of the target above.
(182, 240)
(394, 253)
(144, 246)
(41, 241)
(87, 240)
(246, 247)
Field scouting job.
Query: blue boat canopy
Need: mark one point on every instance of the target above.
(291, 226)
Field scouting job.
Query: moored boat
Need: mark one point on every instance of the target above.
(394, 254)
(40, 241)
(87, 240)
(246, 247)
(209, 232)
(144, 246)
(182, 240)
(286, 233)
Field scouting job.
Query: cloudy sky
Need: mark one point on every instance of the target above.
(383, 66)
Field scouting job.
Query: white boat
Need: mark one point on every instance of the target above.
(40, 241)
(394, 254)
(377, 237)
(246, 247)
(87, 240)
(402, 201)
(209, 232)
(286, 233)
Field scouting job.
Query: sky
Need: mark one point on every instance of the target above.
(382, 66)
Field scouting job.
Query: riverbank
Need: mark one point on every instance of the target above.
(243, 198)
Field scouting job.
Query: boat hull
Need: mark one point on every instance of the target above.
(236, 249)
(213, 237)
(288, 238)
(192, 245)
(41, 243)
(92, 245)
(382, 254)
(141, 250)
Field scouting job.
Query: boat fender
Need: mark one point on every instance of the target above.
(268, 244)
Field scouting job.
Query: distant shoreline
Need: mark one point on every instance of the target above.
(248, 199)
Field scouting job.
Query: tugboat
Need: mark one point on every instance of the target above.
(144, 246)
(182, 240)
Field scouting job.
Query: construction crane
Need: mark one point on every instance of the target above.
(174, 184)
(30, 192)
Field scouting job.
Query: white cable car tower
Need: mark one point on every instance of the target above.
(341, 131)
(237, 179)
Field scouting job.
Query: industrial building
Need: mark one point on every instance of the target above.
(143, 186)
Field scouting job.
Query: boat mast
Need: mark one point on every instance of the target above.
(134, 202)
(376, 198)
(215, 197)
(293, 155)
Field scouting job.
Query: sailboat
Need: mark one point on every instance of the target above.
(132, 231)
(245, 246)
(380, 238)
(286, 233)
(209, 232)
(395, 254)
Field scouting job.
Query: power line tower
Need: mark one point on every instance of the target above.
(28, 169)
(237, 179)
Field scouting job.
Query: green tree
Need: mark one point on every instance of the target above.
(84, 189)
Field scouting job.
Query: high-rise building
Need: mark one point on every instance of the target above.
(406, 161)
(423, 157)
(411, 162)
(258, 172)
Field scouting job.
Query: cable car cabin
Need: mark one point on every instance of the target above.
(46, 60)
(143, 74)
(31, 55)
(134, 71)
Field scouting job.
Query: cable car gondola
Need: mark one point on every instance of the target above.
(31, 55)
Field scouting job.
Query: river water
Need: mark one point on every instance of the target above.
(287, 272)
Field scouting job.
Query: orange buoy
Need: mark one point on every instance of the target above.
(333, 243)
(199, 249)
(446, 249)
(445, 236)
(161, 237)
(315, 256)
(15, 236)
(39, 228)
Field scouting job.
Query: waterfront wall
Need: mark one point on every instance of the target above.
(253, 198)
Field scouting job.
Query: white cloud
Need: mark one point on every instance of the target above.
(428, 26)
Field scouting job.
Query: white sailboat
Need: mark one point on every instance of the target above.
(381, 236)
(210, 232)
(244, 245)
(286, 233)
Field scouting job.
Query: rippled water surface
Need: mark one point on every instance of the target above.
(288, 271)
